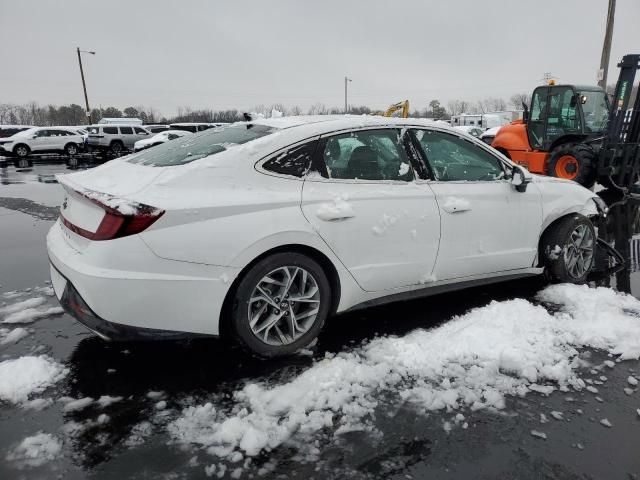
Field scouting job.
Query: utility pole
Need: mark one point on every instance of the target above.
(346, 79)
(606, 46)
(84, 85)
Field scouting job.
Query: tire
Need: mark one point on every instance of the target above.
(250, 303)
(71, 149)
(568, 249)
(573, 161)
(117, 148)
(21, 151)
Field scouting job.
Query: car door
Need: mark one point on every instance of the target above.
(40, 141)
(58, 139)
(487, 226)
(127, 136)
(382, 225)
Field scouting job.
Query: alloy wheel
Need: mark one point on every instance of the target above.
(284, 305)
(578, 253)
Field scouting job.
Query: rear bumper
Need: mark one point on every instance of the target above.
(126, 291)
(73, 303)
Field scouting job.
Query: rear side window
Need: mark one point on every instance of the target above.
(126, 130)
(110, 130)
(367, 155)
(194, 147)
(294, 161)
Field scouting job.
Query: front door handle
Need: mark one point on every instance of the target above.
(456, 205)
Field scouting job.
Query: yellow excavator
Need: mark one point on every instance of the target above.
(404, 106)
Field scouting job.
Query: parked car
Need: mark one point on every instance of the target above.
(473, 131)
(258, 231)
(156, 128)
(194, 126)
(120, 121)
(115, 138)
(9, 130)
(43, 140)
(159, 139)
(488, 135)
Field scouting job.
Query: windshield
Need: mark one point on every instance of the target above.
(200, 145)
(596, 110)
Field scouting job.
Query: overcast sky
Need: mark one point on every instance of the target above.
(236, 54)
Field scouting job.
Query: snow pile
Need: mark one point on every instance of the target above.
(24, 376)
(338, 209)
(27, 311)
(36, 450)
(473, 361)
(12, 336)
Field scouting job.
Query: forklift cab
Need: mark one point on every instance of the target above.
(561, 110)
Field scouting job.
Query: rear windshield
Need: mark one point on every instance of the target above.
(193, 147)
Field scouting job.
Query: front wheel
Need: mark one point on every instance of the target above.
(280, 305)
(568, 249)
(575, 162)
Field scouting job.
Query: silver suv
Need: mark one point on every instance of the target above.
(115, 138)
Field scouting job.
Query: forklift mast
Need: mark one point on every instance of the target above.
(619, 159)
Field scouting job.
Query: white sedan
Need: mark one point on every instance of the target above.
(259, 230)
(159, 139)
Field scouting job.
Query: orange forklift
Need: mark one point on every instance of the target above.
(572, 132)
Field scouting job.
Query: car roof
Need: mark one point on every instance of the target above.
(320, 124)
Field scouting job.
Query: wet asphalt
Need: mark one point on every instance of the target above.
(495, 446)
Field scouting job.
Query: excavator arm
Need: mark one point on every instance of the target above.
(404, 106)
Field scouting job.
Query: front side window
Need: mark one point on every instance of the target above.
(200, 145)
(367, 155)
(595, 108)
(455, 159)
(295, 161)
(126, 130)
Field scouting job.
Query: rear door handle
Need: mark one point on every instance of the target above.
(456, 205)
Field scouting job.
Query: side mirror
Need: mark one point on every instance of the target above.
(520, 178)
(34, 136)
(525, 113)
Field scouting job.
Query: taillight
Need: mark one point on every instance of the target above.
(115, 223)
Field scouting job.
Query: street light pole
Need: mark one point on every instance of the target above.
(345, 93)
(606, 46)
(84, 85)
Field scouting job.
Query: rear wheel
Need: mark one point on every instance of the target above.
(280, 305)
(117, 148)
(568, 248)
(71, 149)
(575, 162)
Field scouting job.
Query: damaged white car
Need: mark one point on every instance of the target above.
(260, 230)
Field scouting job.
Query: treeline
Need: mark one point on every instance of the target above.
(49, 115)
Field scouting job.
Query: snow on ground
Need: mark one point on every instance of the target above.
(36, 450)
(12, 336)
(27, 375)
(29, 310)
(472, 362)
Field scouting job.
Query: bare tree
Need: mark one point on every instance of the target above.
(517, 99)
